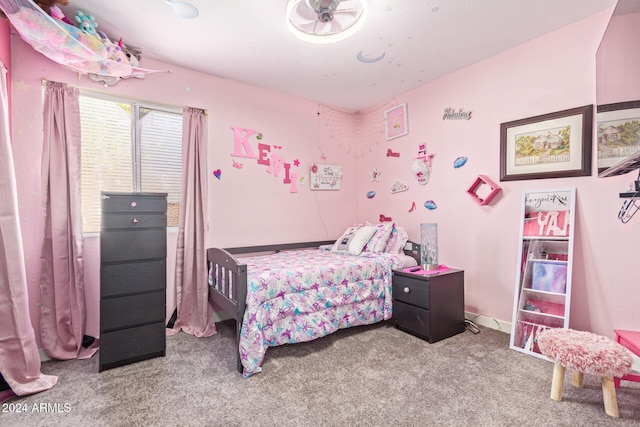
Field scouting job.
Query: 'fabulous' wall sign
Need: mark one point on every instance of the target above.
(452, 114)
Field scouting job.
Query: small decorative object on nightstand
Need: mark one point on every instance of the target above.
(429, 304)
(429, 246)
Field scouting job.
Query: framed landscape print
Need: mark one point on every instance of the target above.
(618, 132)
(553, 145)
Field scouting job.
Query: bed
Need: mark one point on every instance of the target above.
(299, 292)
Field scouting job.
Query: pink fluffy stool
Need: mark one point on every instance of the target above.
(585, 353)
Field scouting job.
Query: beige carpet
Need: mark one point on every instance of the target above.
(367, 376)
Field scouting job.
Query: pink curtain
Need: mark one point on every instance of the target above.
(19, 358)
(63, 316)
(194, 314)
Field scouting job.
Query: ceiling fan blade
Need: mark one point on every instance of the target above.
(303, 10)
(335, 27)
(346, 20)
(309, 27)
(346, 12)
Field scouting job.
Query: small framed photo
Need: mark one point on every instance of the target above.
(326, 177)
(618, 132)
(395, 122)
(554, 145)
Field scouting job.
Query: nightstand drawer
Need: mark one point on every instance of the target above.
(412, 319)
(411, 291)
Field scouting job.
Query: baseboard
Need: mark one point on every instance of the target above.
(489, 322)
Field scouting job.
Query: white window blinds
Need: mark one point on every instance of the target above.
(128, 146)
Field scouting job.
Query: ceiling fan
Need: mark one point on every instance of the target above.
(324, 17)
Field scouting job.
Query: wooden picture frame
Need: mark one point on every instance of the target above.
(554, 145)
(395, 122)
(618, 133)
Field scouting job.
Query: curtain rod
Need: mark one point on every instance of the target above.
(43, 82)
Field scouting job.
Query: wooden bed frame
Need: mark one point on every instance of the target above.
(232, 295)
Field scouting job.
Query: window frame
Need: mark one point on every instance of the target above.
(136, 105)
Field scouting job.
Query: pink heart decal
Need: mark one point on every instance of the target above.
(217, 173)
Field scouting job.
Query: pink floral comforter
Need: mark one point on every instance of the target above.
(297, 296)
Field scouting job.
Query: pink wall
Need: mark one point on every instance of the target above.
(250, 206)
(552, 73)
(618, 61)
(247, 206)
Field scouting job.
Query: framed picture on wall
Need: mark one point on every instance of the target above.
(618, 132)
(395, 122)
(554, 145)
(325, 177)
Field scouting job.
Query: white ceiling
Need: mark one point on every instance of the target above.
(248, 41)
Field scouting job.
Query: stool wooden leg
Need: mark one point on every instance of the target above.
(556, 383)
(609, 396)
(577, 379)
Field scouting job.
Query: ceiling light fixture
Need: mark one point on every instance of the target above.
(324, 21)
(183, 9)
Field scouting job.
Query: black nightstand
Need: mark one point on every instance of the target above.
(429, 306)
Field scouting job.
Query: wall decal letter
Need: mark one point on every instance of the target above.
(240, 136)
(263, 149)
(287, 176)
(294, 188)
(276, 163)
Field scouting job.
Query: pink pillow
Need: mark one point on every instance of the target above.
(378, 242)
(397, 240)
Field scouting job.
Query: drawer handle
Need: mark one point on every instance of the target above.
(406, 290)
(134, 204)
(134, 221)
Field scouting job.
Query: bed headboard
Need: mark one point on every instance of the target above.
(277, 247)
(413, 250)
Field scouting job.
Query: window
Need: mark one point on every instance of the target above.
(128, 146)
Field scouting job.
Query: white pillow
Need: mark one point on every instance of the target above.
(354, 239)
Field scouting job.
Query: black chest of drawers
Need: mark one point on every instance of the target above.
(133, 252)
(429, 306)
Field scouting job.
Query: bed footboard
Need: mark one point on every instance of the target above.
(228, 288)
(228, 280)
